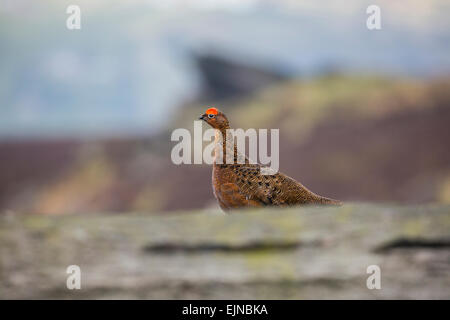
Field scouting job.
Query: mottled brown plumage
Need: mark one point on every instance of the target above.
(242, 185)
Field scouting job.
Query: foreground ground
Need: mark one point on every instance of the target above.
(298, 253)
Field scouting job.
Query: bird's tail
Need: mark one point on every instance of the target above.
(328, 201)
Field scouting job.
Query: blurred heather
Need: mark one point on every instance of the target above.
(86, 115)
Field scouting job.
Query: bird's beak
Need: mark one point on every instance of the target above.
(202, 117)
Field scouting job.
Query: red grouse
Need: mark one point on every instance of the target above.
(238, 185)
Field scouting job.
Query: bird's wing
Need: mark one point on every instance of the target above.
(277, 189)
(293, 192)
(265, 189)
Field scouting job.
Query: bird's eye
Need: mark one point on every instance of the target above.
(211, 115)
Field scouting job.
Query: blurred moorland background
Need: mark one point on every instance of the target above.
(86, 115)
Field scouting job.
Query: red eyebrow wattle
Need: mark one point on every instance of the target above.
(212, 111)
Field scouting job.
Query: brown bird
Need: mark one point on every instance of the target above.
(243, 185)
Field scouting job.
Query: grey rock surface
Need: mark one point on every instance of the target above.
(295, 253)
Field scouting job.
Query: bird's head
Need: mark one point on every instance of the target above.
(215, 119)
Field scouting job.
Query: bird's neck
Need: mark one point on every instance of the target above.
(225, 146)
